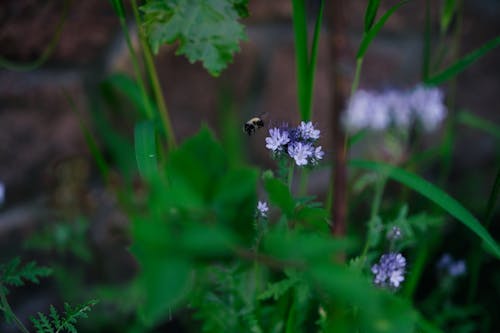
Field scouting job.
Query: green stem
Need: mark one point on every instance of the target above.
(8, 310)
(290, 175)
(357, 74)
(151, 69)
(304, 177)
(135, 59)
(377, 200)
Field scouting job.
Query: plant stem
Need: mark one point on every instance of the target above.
(135, 60)
(357, 74)
(155, 82)
(8, 310)
(377, 199)
(304, 177)
(290, 175)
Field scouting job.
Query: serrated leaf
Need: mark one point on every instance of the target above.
(205, 30)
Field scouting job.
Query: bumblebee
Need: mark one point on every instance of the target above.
(252, 125)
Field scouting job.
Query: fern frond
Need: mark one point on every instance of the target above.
(64, 323)
(13, 274)
(277, 289)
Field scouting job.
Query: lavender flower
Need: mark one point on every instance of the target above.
(262, 209)
(428, 105)
(318, 154)
(377, 111)
(394, 233)
(390, 270)
(300, 152)
(307, 131)
(277, 140)
(451, 267)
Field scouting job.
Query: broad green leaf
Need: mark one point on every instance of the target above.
(205, 30)
(463, 63)
(470, 119)
(280, 195)
(145, 149)
(371, 12)
(368, 37)
(432, 192)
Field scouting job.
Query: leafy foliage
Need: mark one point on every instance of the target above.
(65, 322)
(13, 274)
(206, 30)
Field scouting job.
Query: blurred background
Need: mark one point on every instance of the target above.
(50, 177)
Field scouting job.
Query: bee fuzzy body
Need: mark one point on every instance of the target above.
(252, 125)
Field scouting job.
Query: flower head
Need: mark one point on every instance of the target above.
(277, 140)
(307, 131)
(451, 267)
(394, 233)
(262, 209)
(390, 270)
(428, 105)
(300, 152)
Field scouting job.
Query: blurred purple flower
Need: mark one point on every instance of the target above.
(390, 270)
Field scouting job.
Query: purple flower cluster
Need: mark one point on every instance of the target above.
(451, 267)
(262, 209)
(378, 111)
(298, 143)
(390, 270)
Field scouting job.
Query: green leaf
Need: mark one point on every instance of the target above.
(368, 36)
(145, 149)
(280, 195)
(15, 274)
(463, 63)
(315, 217)
(166, 282)
(205, 30)
(471, 120)
(371, 12)
(420, 185)
(448, 10)
(130, 89)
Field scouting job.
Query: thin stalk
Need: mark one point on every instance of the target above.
(426, 52)
(304, 177)
(375, 209)
(135, 59)
(8, 310)
(357, 74)
(301, 62)
(155, 82)
(290, 175)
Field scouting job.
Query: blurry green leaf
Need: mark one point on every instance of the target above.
(206, 30)
(199, 163)
(280, 195)
(205, 241)
(453, 207)
(368, 36)
(448, 10)
(145, 149)
(371, 12)
(315, 217)
(299, 247)
(14, 274)
(463, 63)
(470, 119)
(278, 289)
(129, 89)
(166, 281)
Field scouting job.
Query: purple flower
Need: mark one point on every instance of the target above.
(394, 233)
(317, 154)
(262, 209)
(277, 139)
(307, 131)
(300, 152)
(451, 267)
(428, 105)
(390, 270)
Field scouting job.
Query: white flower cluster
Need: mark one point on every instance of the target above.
(378, 111)
(298, 143)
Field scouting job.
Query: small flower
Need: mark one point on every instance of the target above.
(277, 140)
(390, 270)
(357, 114)
(450, 267)
(394, 233)
(262, 209)
(307, 131)
(428, 105)
(300, 152)
(317, 155)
